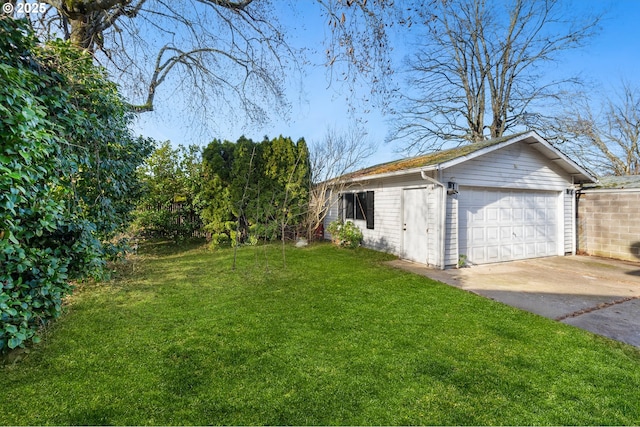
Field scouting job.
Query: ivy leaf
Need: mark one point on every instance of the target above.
(14, 342)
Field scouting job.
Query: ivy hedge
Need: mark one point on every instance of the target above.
(67, 162)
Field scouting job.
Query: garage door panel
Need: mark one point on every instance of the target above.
(505, 233)
(477, 215)
(492, 234)
(518, 214)
(492, 252)
(478, 233)
(542, 247)
(518, 251)
(493, 197)
(529, 232)
(541, 215)
(518, 203)
(506, 252)
(478, 253)
(541, 232)
(504, 225)
(518, 232)
(529, 215)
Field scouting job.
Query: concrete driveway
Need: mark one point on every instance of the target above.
(596, 294)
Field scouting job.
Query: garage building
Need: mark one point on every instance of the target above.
(501, 200)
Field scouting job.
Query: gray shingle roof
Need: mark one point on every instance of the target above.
(617, 182)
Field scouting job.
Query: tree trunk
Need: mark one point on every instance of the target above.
(79, 33)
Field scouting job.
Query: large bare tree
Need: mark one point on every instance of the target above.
(217, 53)
(607, 139)
(477, 70)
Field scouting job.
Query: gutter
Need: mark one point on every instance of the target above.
(443, 213)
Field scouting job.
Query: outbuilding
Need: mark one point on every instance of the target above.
(500, 200)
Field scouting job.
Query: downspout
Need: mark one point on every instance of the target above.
(579, 246)
(574, 216)
(443, 212)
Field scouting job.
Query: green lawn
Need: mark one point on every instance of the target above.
(336, 338)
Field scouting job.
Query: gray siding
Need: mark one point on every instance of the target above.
(332, 213)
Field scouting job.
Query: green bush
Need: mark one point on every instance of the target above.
(260, 185)
(170, 181)
(345, 234)
(220, 239)
(66, 161)
(36, 235)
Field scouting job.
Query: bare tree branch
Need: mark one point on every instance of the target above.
(476, 72)
(219, 53)
(608, 140)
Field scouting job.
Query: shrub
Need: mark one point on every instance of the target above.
(345, 234)
(170, 180)
(220, 239)
(37, 240)
(66, 156)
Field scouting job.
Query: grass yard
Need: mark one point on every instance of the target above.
(336, 338)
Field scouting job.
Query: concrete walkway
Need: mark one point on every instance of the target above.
(596, 294)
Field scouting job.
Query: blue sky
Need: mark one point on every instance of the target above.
(613, 55)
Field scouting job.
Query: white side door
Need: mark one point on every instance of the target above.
(415, 213)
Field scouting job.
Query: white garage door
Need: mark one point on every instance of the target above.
(503, 225)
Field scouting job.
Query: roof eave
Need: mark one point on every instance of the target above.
(559, 158)
(571, 167)
(386, 174)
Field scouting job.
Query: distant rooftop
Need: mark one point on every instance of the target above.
(619, 182)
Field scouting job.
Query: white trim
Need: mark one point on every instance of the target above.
(441, 220)
(479, 153)
(457, 229)
(560, 221)
(574, 223)
(384, 175)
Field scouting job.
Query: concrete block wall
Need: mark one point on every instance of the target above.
(609, 223)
